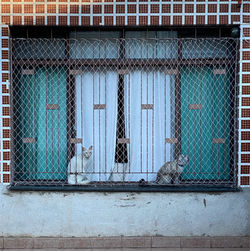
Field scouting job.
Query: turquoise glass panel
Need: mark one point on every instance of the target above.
(46, 159)
(207, 160)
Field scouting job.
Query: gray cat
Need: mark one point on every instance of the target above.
(170, 172)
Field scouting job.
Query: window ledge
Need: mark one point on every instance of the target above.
(127, 188)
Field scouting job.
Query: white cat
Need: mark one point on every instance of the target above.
(171, 171)
(78, 166)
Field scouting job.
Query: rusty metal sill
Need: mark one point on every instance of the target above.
(125, 188)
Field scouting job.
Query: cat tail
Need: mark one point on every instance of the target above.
(158, 178)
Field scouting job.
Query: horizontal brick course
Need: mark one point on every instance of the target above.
(220, 242)
(195, 242)
(161, 242)
(136, 242)
(108, 242)
(75, 5)
(76, 243)
(127, 243)
(18, 243)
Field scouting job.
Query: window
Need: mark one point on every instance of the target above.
(140, 98)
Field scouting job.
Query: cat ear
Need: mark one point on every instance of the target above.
(83, 149)
(91, 147)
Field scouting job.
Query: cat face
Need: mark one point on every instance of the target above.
(86, 152)
(182, 160)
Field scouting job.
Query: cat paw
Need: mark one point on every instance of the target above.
(83, 182)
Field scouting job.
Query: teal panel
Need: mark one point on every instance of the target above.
(47, 158)
(200, 126)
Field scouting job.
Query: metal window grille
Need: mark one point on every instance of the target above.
(135, 105)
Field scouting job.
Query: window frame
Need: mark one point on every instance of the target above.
(122, 63)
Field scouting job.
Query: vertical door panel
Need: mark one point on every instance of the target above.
(200, 127)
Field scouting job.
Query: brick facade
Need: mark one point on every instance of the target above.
(5, 105)
(84, 13)
(244, 105)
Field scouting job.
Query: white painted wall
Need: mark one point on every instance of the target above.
(84, 214)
